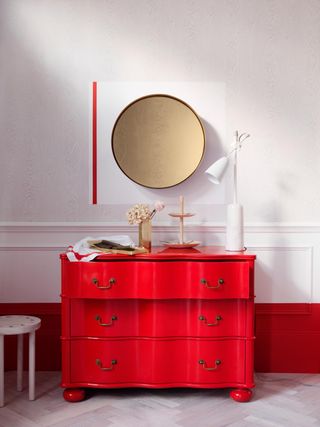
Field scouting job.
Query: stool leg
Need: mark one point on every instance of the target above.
(1, 371)
(32, 338)
(20, 362)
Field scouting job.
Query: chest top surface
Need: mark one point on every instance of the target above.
(215, 253)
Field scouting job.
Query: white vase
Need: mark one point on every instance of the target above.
(234, 232)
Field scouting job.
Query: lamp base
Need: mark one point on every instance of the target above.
(234, 232)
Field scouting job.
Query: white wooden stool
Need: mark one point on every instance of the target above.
(19, 325)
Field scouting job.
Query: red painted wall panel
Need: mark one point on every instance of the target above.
(48, 349)
(287, 338)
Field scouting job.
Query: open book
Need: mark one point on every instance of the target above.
(106, 246)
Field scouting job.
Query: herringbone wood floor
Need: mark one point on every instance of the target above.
(279, 400)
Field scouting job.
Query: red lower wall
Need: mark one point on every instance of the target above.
(287, 337)
(48, 349)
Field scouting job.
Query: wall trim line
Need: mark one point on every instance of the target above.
(218, 227)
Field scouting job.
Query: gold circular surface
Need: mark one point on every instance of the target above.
(158, 141)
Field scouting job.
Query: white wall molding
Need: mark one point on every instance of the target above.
(123, 227)
(32, 248)
(59, 235)
(284, 274)
(287, 268)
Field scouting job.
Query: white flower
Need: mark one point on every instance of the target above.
(138, 213)
(159, 205)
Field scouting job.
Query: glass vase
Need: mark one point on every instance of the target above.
(145, 234)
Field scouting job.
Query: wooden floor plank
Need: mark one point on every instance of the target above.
(280, 400)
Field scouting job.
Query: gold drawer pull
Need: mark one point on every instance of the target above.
(216, 323)
(206, 283)
(204, 365)
(112, 281)
(99, 363)
(99, 320)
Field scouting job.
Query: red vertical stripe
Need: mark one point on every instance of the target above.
(94, 143)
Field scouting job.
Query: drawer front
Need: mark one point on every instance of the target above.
(106, 279)
(158, 362)
(156, 280)
(161, 318)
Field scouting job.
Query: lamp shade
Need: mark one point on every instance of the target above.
(216, 170)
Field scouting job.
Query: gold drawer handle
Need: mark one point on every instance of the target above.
(99, 363)
(216, 323)
(204, 365)
(99, 320)
(112, 281)
(206, 283)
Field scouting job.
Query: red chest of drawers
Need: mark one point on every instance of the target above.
(171, 318)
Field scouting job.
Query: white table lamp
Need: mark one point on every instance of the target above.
(216, 170)
(234, 232)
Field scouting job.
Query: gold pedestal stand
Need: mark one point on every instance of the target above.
(182, 215)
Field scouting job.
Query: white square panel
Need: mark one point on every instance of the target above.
(113, 187)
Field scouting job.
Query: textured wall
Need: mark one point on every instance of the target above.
(266, 51)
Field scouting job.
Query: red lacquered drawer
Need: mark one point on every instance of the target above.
(220, 280)
(106, 279)
(161, 318)
(156, 280)
(202, 280)
(159, 363)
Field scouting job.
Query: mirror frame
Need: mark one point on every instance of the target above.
(157, 96)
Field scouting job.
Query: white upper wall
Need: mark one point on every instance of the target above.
(266, 51)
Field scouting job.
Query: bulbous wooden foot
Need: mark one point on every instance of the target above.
(241, 394)
(74, 394)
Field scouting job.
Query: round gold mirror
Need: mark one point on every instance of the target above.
(158, 141)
